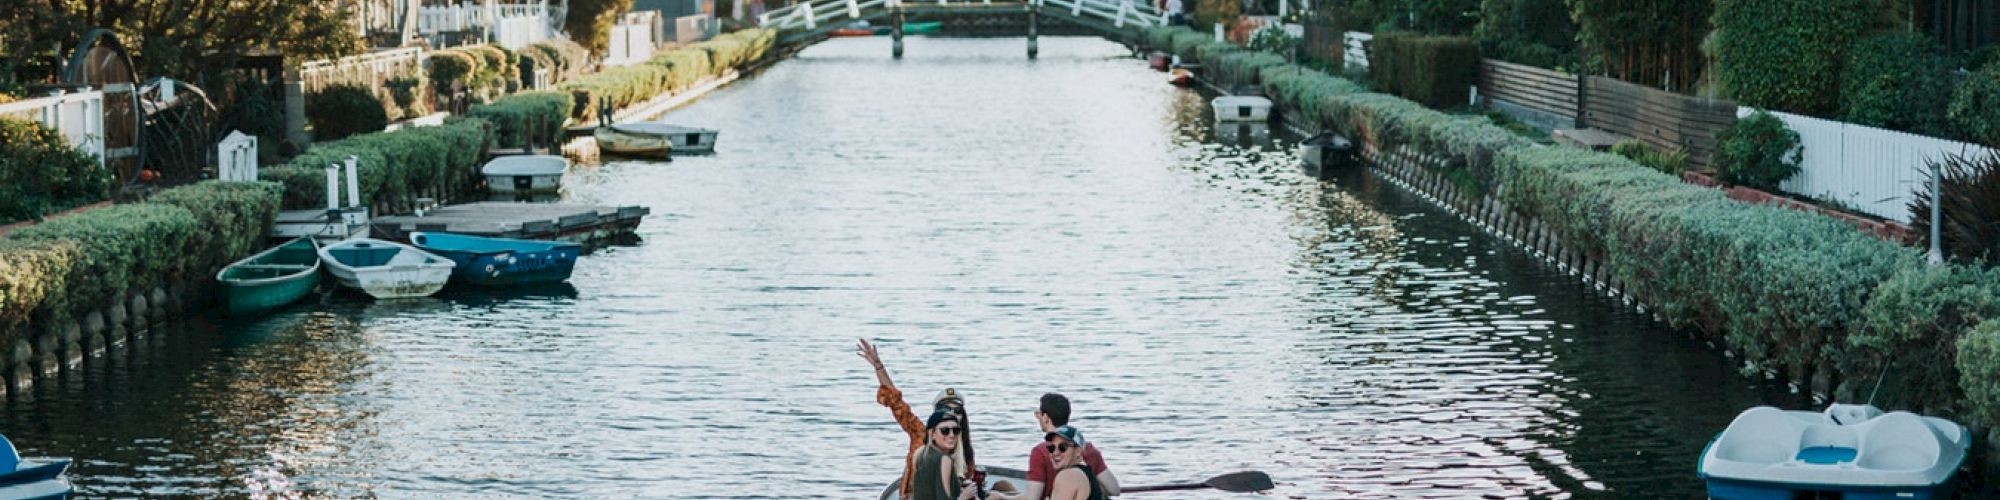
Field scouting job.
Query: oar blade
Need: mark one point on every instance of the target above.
(1241, 482)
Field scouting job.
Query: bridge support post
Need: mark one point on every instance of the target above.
(896, 34)
(1033, 30)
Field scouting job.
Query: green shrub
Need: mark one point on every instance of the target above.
(343, 110)
(623, 86)
(1914, 322)
(33, 276)
(395, 167)
(1899, 81)
(1983, 58)
(1971, 205)
(1532, 32)
(1185, 44)
(1976, 107)
(1785, 54)
(403, 94)
(684, 66)
(1274, 39)
(1757, 151)
(41, 174)
(1305, 89)
(1432, 70)
(1668, 162)
(122, 247)
(514, 116)
(451, 70)
(235, 218)
(1979, 371)
(1242, 66)
(257, 110)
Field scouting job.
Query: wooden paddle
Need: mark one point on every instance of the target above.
(1235, 482)
(1238, 482)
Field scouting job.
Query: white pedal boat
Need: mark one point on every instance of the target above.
(1855, 451)
(1241, 108)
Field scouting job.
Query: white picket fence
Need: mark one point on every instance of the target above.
(368, 70)
(632, 39)
(79, 116)
(1357, 48)
(1871, 169)
(512, 25)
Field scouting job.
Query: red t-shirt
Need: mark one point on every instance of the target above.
(1041, 471)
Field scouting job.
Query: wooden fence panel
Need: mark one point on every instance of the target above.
(1539, 89)
(1664, 119)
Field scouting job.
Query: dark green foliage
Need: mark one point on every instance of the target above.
(41, 174)
(1757, 151)
(135, 245)
(623, 86)
(1443, 17)
(339, 111)
(629, 85)
(453, 69)
(590, 22)
(1975, 110)
(1533, 32)
(1900, 81)
(395, 167)
(1979, 371)
(1914, 321)
(257, 110)
(1667, 162)
(234, 217)
(1650, 42)
(1983, 58)
(403, 94)
(515, 116)
(1786, 54)
(1970, 210)
(1435, 71)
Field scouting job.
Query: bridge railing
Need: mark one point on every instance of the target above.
(813, 14)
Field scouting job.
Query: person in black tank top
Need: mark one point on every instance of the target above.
(1073, 480)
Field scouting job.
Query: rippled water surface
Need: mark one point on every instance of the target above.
(1002, 225)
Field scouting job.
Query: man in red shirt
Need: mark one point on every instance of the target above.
(1053, 413)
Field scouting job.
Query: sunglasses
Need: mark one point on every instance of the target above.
(1060, 447)
(947, 430)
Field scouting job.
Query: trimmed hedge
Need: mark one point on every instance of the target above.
(566, 59)
(32, 276)
(624, 86)
(1976, 107)
(1899, 81)
(1433, 70)
(684, 66)
(134, 245)
(737, 48)
(236, 217)
(344, 110)
(395, 167)
(1757, 151)
(41, 174)
(1786, 54)
(1914, 322)
(514, 115)
(672, 71)
(1979, 370)
(453, 69)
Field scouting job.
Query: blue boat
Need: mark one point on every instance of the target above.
(31, 478)
(501, 261)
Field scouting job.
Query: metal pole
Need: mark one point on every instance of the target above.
(1937, 197)
(1033, 48)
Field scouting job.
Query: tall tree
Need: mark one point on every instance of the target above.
(1648, 42)
(185, 39)
(590, 22)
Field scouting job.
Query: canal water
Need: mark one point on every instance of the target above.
(1000, 225)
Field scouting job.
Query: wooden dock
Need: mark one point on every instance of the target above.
(592, 226)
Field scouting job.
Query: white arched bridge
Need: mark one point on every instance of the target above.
(816, 18)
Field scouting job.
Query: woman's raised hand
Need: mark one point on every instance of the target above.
(867, 352)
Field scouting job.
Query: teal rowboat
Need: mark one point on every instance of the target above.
(271, 279)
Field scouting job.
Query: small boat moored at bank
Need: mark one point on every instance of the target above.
(618, 140)
(679, 139)
(1321, 154)
(1855, 451)
(501, 261)
(1244, 108)
(32, 478)
(386, 269)
(270, 279)
(1180, 77)
(525, 173)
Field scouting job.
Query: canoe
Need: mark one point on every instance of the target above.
(916, 28)
(678, 138)
(1850, 451)
(31, 478)
(501, 261)
(385, 269)
(852, 32)
(612, 140)
(1322, 154)
(1016, 478)
(270, 279)
(1245, 108)
(525, 173)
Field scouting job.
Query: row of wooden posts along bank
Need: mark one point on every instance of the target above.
(1422, 173)
(46, 347)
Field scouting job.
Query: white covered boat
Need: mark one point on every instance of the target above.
(1241, 108)
(648, 137)
(1855, 451)
(525, 173)
(385, 269)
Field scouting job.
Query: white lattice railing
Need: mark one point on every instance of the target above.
(369, 69)
(811, 15)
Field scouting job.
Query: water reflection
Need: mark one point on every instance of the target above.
(1002, 225)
